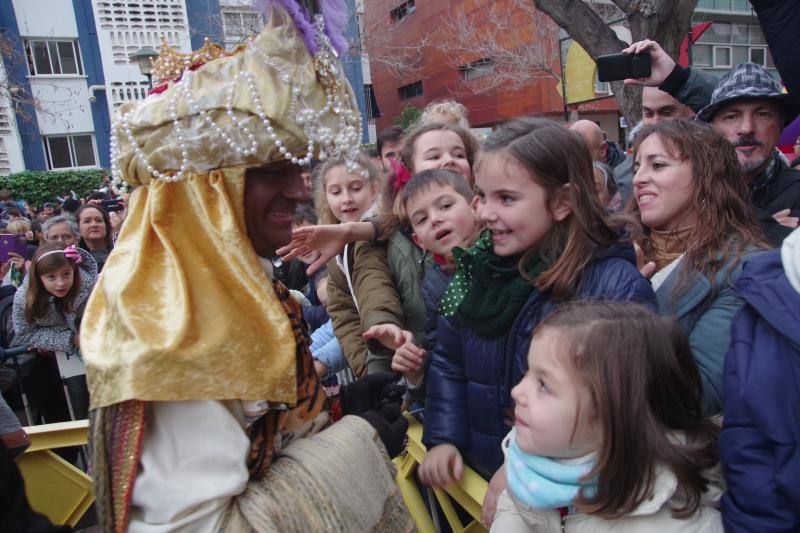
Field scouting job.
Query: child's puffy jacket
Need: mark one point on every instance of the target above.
(761, 427)
(470, 378)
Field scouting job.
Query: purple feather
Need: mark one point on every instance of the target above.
(300, 17)
(334, 12)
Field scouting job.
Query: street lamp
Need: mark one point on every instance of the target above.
(144, 59)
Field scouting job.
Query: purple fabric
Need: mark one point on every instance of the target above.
(790, 133)
(299, 16)
(334, 12)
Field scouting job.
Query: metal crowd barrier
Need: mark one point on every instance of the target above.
(468, 493)
(55, 488)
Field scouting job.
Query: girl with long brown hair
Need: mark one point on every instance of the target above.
(698, 228)
(49, 304)
(609, 431)
(547, 240)
(48, 308)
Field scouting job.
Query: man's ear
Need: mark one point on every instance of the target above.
(418, 242)
(561, 202)
(604, 149)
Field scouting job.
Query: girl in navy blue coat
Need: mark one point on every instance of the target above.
(547, 240)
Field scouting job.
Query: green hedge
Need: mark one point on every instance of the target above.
(38, 187)
(408, 117)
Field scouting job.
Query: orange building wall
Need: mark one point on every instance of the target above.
(440, 80)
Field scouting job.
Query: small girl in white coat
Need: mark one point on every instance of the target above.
(609, 430)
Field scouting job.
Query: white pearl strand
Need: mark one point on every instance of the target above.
(344, 144)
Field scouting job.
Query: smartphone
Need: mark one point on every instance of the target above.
(113, 205)
(614, 67)
(12, 243)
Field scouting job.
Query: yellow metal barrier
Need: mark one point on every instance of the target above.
(54, 487)
(468, 493)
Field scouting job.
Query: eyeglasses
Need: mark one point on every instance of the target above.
(64, 237)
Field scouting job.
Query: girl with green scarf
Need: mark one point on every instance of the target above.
(547, 240)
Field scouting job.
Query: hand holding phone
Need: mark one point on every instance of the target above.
(113, 205)
(12, 243)
(661, 64)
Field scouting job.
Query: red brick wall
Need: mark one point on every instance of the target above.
(441, 80)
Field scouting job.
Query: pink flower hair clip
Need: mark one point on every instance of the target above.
(401, 174)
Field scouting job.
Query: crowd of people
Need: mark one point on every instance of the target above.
(44, 293)
(607, 334)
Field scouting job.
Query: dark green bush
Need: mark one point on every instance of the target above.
(408, 117)
(40, 186)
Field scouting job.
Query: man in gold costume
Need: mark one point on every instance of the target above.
(207, 414)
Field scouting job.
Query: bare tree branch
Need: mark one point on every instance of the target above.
(403, 60)
(13, 94)
(583, 24)
(664, 21)
(514, 45)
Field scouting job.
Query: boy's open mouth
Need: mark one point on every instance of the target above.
(442, 233)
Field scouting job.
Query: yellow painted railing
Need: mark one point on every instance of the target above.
(54, 487)
(468, 493)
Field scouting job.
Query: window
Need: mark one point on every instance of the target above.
(601, 87)
(238, 25)
(410, 91)
(725, 45)
(53, 57)
(362, 37)
(478, 69)
(372, 104)
(758, 56)
(702, 55)
(403, 10)
(722, 57)
(69, 151)
(724, 5)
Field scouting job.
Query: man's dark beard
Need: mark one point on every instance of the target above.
(752, 142)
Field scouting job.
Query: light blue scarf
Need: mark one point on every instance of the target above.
(544, 483)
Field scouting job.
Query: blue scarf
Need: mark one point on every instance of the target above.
(544, 483)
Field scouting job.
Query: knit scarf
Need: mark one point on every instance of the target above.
(544, 483)
(488, 290)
